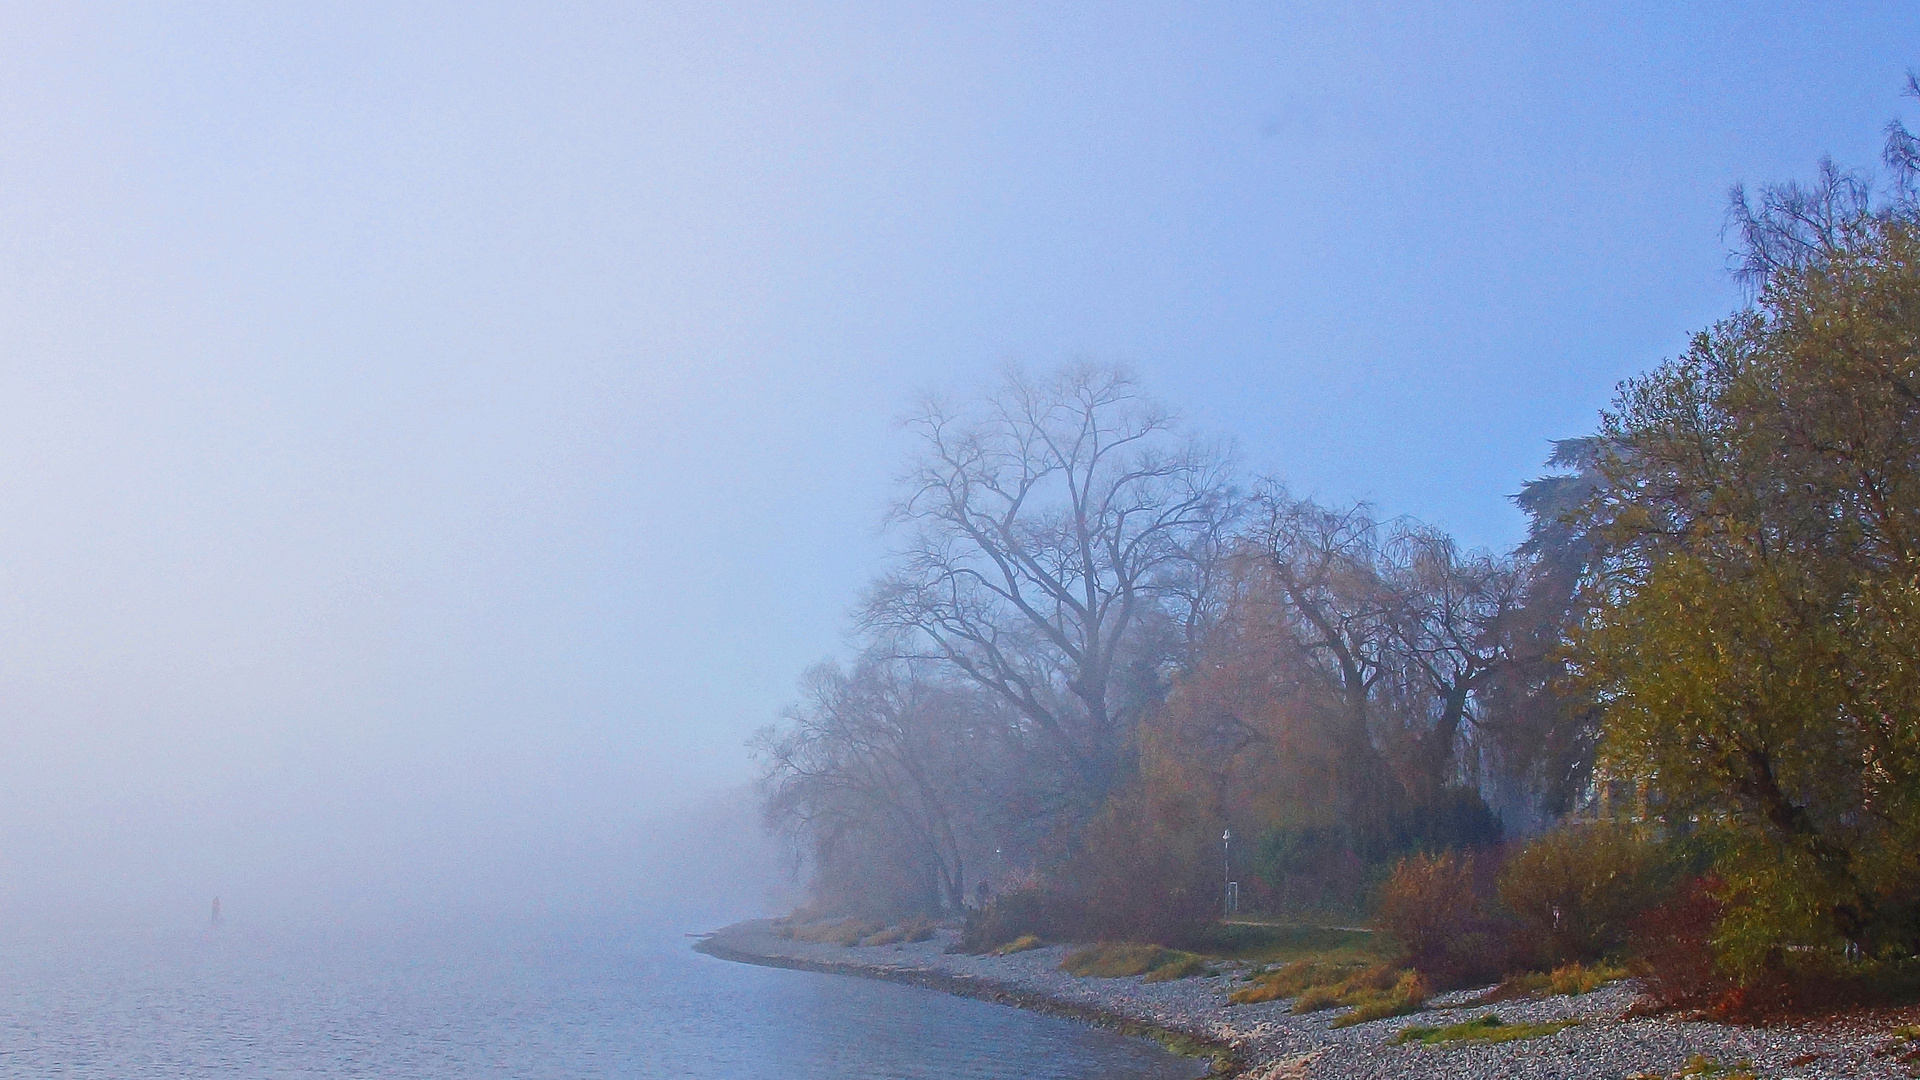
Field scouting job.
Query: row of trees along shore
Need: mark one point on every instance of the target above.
(1678, 721)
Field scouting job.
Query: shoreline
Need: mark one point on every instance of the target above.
(1268, 1042)
(1225, 1060)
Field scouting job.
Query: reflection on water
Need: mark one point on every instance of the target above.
(608, 1003)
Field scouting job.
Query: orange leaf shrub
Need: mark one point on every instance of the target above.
(1431, 907)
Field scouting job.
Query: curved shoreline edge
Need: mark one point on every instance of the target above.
(1226, 1060)
(1602, 1039)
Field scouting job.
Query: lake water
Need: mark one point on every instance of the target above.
(545, 1002)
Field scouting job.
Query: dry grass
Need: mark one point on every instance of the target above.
(1019, 944)
(1315, 998)
(1570, 979)
(1296, 979)
(1371, 993)
(1114, 961)
(1409, 994)
(1178, 965)
(916, 930)
(1577, 978)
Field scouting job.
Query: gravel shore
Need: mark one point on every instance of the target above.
(1267, 1042)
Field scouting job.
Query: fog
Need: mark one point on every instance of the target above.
(434, 437)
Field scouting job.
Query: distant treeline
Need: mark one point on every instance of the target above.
(1690, 694)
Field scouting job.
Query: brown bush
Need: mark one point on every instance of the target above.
(1430, 906)
(1673, 948)
(1576, 893)
(1017, 913)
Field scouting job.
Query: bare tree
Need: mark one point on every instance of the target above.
(1792, 225)
(1047, 529)
(880, 758)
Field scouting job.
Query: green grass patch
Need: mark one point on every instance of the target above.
(1282, 943)
(1114, 961)
(1485, 1029)
(1019, 944)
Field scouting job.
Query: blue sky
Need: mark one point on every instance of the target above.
(446, 428)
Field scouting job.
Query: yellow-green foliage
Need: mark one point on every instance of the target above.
(1019, 944)
(1259, 992)
(847, 931)
(1755, 650)
(1113, 961)
(1577, 891)
(1489, 1028)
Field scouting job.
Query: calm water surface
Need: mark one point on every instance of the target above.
(534, 1003)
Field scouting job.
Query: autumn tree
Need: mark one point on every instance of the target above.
(1395, 629)
(1753, 631)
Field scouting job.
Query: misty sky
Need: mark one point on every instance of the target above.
(434, 437)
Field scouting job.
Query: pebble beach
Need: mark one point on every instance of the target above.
(1269, 1042)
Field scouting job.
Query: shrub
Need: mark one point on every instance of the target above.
(1456, 818)
(1576, 893)
(1329, 869)
(1673, 947)
(1315, 998)
(1431, 907)
(1310, 869)
(1577, 978)
(1017, 913)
